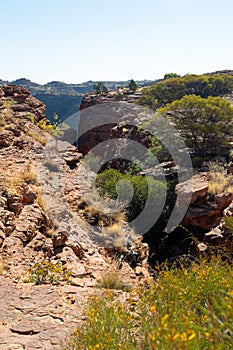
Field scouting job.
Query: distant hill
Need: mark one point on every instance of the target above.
(65, 99)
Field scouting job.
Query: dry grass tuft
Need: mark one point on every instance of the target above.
(29, 176)
(113, 280)
(13, 180)
(220, 183)
(110, 217)
(13, 184)
(38, 137)
(40, 200)
(120, 235)
(99, 211)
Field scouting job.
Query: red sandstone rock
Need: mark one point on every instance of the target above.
(205, 211)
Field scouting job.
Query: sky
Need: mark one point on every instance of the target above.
(79, 40)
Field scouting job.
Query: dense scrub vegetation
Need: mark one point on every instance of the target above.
(186, 308)
(173, 89)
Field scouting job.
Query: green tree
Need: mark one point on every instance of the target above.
(205, 123)
(171, 75)
(132, 85)
(100, 88)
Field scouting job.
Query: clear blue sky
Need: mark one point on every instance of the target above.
(79, 40)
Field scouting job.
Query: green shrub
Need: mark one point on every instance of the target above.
(119, 96)
(100, 88)
(108, 326)
(2, 121)
(30, 117)
(171, 75)
(107, 184)
(9, 103)
(159, 150)
(132, 85)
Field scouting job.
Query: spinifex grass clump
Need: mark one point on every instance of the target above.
(112, 280)
(220, 183)
(185, 309)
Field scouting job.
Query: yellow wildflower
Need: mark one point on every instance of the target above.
(184, 336)
(153, 309)
(176, 336)
(193, 335)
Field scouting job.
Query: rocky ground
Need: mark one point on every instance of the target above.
(39, 317)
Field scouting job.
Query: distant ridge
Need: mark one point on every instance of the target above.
(65, 99)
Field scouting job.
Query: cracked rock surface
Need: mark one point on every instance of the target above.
(39, 317)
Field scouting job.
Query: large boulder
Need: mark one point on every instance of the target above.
(205, 210)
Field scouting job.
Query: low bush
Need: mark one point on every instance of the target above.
(185, 309)
(29, 176)
(110, 184)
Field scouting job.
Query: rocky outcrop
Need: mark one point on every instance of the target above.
(202, 229)
(205, 210)
(42, 184)
(120, 94)
(21, 101)
(95, 128)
